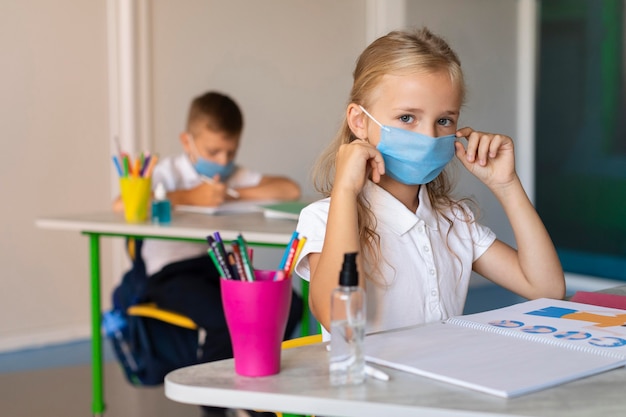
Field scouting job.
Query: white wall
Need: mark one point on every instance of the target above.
(288, 64)
(483, 33)
(53, 124)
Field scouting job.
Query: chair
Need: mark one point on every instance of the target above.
(153, 311)
(302, 341)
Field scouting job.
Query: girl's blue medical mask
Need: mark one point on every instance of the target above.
(410, 157)
(208, 168)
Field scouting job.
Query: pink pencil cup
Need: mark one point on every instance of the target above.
(256, 315)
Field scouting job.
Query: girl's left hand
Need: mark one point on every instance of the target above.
(490, 157)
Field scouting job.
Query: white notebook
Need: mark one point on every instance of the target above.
(510, 351)
(230, 207)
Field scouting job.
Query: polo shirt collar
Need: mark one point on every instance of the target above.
(394, 214)
(187, 170)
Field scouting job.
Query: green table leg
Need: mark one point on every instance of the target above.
(97, 405)
(304, 324)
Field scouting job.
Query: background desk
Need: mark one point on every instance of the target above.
(194, 227)
(302, 387)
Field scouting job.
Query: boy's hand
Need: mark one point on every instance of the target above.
(118, 205)
(490, 157)
(205, 194)
(209, 194)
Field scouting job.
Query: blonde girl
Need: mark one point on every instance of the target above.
(389, 199)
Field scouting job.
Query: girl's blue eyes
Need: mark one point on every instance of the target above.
(407, 118)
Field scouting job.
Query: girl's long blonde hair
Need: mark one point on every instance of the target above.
(398, 52)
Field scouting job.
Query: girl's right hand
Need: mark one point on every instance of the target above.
(355, 162)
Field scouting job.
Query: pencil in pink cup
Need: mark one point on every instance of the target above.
(256, 314)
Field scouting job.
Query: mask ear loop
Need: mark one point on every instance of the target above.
(374, 120)
(194, 148)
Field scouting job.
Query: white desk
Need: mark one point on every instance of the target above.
(302, 387)
(184, 226)
(257, 230)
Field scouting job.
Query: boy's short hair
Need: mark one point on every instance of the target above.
(217, 112)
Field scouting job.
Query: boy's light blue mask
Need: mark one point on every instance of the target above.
(410, 157)
(208, 168)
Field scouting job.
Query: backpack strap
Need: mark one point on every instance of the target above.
(152, 311)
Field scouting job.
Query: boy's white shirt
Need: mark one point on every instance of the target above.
(424, 281)
(177, 173)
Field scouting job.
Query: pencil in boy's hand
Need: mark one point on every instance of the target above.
(231, 192)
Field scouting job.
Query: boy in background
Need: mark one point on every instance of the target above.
(205, 174)
(182, 277)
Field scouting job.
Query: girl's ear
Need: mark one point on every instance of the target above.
(356, 121)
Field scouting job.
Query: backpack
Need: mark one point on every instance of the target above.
(146, 348)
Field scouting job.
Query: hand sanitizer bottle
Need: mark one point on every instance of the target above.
(161, 207)
(347, 327)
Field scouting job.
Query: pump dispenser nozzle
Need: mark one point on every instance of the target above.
(161, 207)
(160, 194)
(349, 275)
(347, 326)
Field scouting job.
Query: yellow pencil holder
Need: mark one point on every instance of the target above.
(136, 198)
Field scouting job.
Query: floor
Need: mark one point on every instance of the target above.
(59, 388)
(56, 380)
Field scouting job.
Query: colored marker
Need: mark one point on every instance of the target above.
(239, 262)
(118, 167)
(153, 161)
(290, 257)
(283, 261)
(301, 243)
(125, 165)
(244, 256)
(144, 166)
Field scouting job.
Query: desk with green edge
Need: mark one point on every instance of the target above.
(192, 227)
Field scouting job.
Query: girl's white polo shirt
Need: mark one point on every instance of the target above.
(426, 262)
